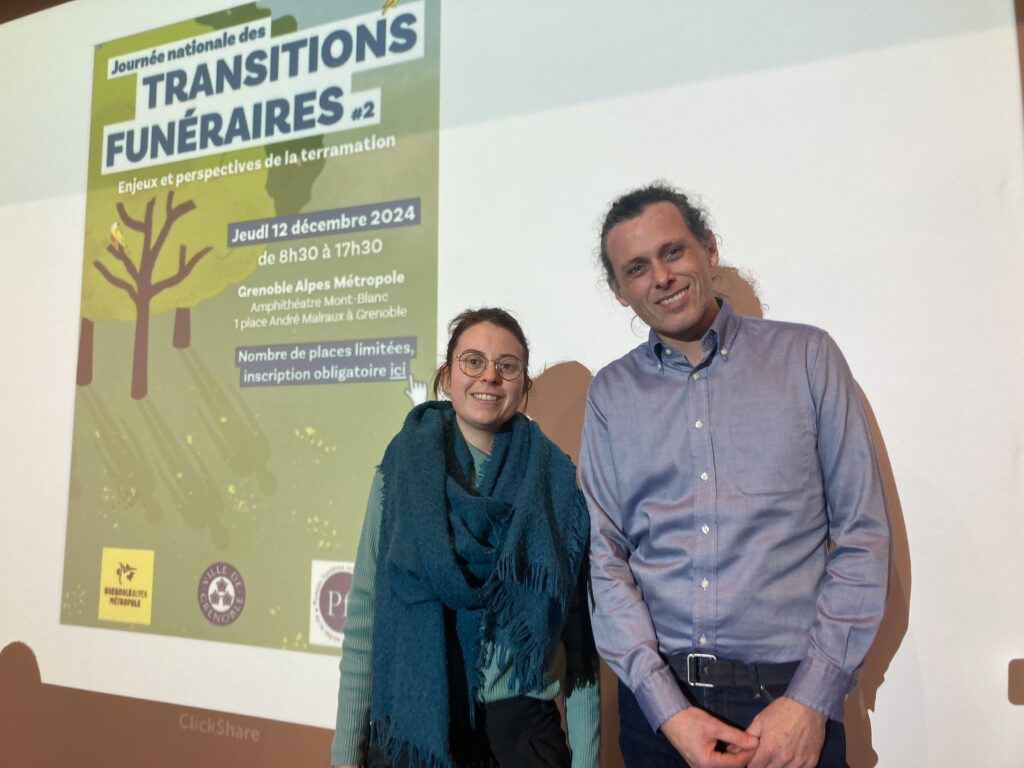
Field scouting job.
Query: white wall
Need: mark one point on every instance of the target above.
(862, 160)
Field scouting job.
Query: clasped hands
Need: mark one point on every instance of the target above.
(785, 734)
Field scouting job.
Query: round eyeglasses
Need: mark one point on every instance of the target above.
(473, 363)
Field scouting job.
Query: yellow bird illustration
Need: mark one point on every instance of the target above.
(388, 4)
(116, 238)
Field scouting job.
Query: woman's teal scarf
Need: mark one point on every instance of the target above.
(460, 569)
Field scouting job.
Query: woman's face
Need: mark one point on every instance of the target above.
(483, 403)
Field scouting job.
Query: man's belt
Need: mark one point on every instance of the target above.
(705, 670)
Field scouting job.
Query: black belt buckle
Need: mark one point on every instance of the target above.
(691, 667)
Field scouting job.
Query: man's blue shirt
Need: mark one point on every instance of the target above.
(736, 509)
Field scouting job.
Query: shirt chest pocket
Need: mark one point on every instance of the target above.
(774, 449)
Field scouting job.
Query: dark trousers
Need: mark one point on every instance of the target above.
(643, 747)
(521, 732)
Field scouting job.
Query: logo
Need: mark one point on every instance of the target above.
(221, 594)
(208, 725)
(127, 570)
(330, 584)
(126, 585)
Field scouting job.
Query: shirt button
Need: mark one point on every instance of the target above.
(702, 640)
(699, 424)
(725, 351)
(695, 376)
(703, 475)
(705, 529)
(704, 584)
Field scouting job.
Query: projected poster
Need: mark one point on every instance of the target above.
(259, 284)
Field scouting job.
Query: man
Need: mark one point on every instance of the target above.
(739, 537)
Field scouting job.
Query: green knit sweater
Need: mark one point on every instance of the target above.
(582, 705)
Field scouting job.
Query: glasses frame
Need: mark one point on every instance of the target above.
(495, 360)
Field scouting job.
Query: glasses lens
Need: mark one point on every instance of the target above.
(510, 368)
(473, 364)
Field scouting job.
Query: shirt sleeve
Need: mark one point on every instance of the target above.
(352, 726)
(623, 630)
(852, 597)
(583, 718)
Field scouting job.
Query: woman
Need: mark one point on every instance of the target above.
(467, 611)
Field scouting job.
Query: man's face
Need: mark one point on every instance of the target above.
(664, 273)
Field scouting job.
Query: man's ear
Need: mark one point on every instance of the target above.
(613, 284)
(712, 248)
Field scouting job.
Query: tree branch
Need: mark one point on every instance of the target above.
(173, 214)
(121, 256)
(138, 226)
(117, 282)
(184, 269)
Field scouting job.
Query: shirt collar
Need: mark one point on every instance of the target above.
(720, 335)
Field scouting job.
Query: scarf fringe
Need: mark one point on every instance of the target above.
(384, 734)
(526, 654)
(537, 578)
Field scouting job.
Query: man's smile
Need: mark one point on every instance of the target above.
(674, 297)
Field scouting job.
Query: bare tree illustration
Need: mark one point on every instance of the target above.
(140, 284)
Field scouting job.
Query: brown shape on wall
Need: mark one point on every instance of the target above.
(45, 725)
(860, 704)
(1018, 6)
(740, 290)
(1015, 684)
(14, 9)
(557, 402)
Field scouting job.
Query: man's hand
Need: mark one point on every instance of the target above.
(791, 735)
(695, 734)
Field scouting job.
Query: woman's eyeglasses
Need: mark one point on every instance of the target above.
(473, 363)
